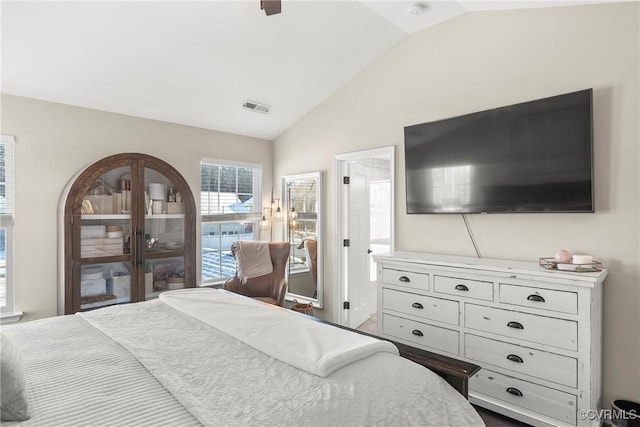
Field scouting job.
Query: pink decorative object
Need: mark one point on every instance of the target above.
(563, 256)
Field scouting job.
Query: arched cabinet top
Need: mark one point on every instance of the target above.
(82, 183)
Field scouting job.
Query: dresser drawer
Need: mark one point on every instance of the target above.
(411, 279)
(536, 363)
(544, 299)
(552, 403)
(463, 287)
(430, 336)
(529, 327)
(438, 309)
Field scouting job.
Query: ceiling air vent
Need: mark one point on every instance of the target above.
(256, 107)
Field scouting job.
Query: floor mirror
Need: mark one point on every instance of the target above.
(302, 198)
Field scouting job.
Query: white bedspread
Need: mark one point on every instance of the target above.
(314, 347)
(78, 377)
(148, 364)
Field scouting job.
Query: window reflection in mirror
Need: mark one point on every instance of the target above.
(302, 199)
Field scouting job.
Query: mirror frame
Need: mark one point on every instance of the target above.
(318, 176)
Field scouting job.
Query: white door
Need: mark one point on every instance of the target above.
(365, 216)
(361, 291)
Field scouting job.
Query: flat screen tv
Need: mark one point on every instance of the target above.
(536, 156)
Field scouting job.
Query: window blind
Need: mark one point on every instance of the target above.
(6, 175)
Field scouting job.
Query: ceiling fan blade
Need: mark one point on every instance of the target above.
(271, 7)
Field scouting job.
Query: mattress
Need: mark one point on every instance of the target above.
(155, 363)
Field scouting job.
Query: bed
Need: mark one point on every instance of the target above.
(209, 357)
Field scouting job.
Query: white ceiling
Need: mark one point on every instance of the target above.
(195, 63)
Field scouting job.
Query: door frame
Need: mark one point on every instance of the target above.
(340, 315)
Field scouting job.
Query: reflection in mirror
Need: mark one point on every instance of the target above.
(302, 199)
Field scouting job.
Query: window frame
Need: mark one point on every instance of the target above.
(229, 219)
(8, 312)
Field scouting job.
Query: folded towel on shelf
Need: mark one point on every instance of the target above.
(253, 259)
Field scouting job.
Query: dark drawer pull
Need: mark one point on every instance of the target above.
(515, 358)
(536, 298)
(417, 333)
(515, 325)
(417, 305)
(514, 391)
(461, 288)
(404, 279)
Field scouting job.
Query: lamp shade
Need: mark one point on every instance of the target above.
(264, 223)
(157, 191)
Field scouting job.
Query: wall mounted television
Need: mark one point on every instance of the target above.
(535, 156)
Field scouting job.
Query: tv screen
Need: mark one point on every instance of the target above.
(530, 157)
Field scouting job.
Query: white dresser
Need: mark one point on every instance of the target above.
(536, 333)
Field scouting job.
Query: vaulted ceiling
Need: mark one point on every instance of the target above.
(196, 63)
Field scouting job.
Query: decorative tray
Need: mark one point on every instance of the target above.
(552, 264)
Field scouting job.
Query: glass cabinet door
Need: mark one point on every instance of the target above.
(105, 240)
(129, 230)
(164, 234)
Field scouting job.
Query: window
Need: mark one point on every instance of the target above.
(230, 205)
(7, 309)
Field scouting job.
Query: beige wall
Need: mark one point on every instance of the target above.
(490, 59)
(54, 141)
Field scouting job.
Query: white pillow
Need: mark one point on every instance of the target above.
(13, 399)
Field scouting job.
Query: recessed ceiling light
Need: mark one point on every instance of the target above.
(417, 8)
(256, 107)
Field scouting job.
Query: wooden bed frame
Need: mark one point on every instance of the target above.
(455, 372)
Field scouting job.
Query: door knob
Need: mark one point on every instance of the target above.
(369, 251)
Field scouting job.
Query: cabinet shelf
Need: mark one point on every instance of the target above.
(164, 254)
(102, 217)
(98, 304)
(164, 216)
(105, 259)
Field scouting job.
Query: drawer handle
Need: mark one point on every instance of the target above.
(536, 298)
(514, 391)
(461, 287)
(404, 279)
(515, 325)
(417, 305)
(515, 358)
(417, 333)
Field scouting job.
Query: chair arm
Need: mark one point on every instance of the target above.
(234, 285)
(279, 290)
